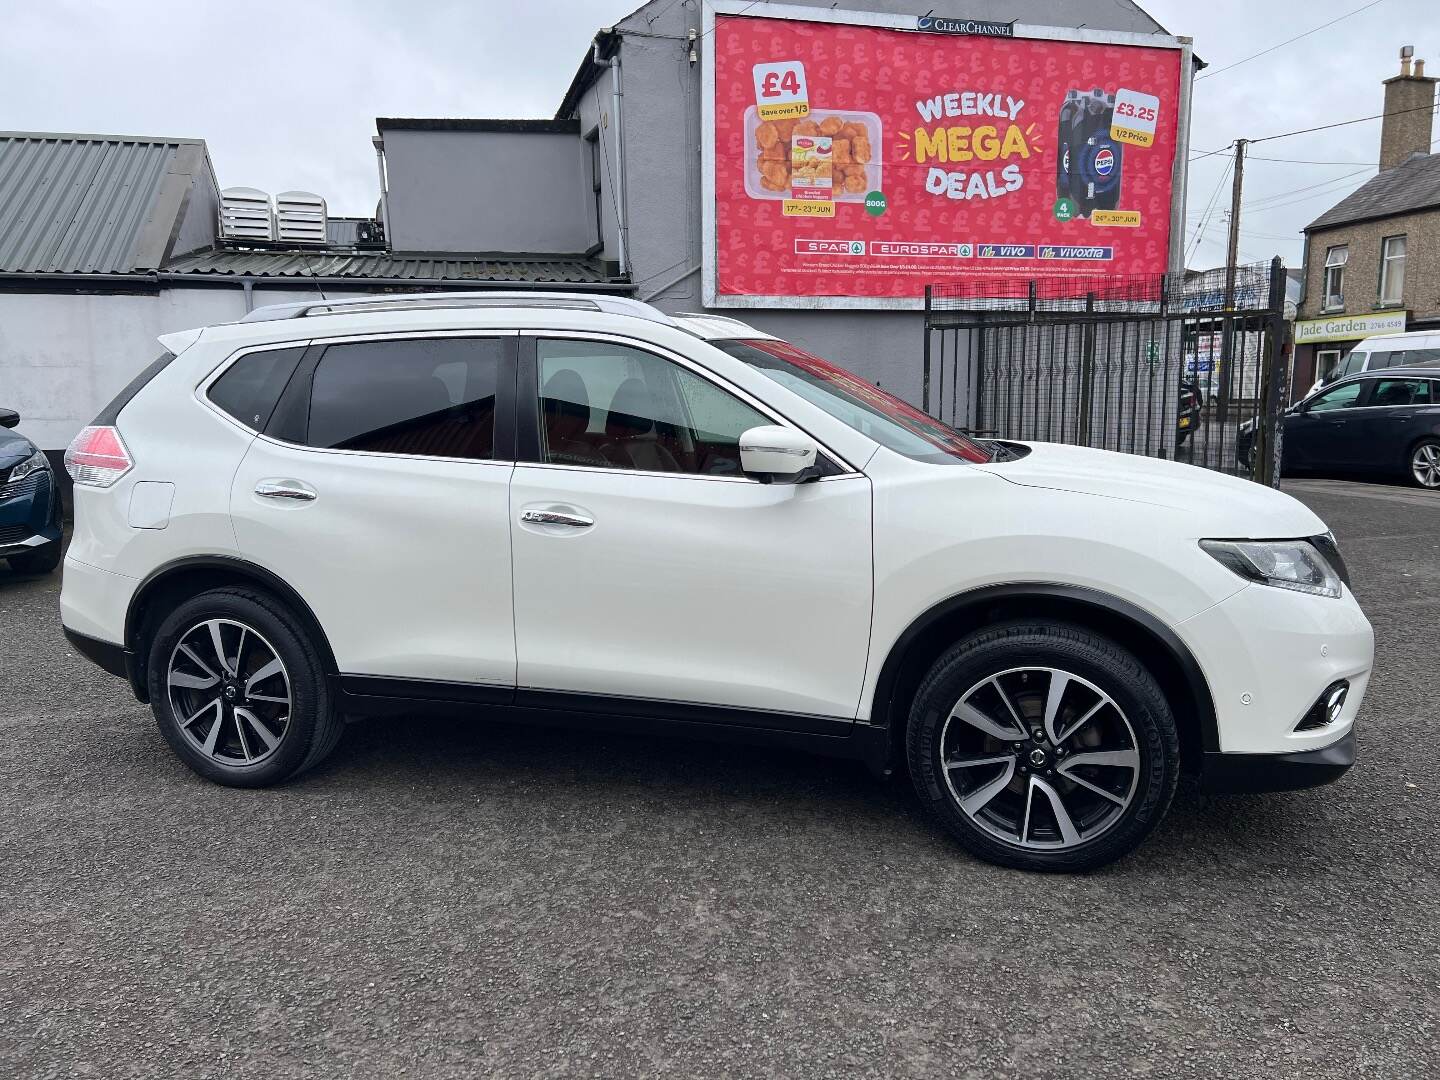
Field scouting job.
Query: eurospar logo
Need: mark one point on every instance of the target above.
(920, 249)
(830, 247)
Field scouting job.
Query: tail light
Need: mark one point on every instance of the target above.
(98, 457)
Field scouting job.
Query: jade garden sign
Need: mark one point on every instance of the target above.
(1349, 327)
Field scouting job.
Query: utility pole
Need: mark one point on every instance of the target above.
(1227, 327)
(1232, 249)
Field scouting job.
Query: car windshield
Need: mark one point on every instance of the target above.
(850, 399)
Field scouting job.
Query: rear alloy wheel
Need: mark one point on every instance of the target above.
(1044, 747)
(1425, 464)
(229, 692)
(239, 690)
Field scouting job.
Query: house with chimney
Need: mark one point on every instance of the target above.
(1372, 261)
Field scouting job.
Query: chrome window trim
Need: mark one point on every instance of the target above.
(700, 371)
(202, 388)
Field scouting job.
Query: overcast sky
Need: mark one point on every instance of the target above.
(286, 92)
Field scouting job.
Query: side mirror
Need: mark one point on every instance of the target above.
(777, 454)
(9, 418)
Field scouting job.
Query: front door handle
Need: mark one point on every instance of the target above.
(555, 517)
(285, 491)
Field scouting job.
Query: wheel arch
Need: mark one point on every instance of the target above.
(191, 576)
(1154, 643)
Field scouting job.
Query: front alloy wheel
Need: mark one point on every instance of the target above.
(1043, 746)
(1040, 757)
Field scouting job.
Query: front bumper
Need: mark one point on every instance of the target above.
(1249, 773)
(29, 515)
(1267, 655)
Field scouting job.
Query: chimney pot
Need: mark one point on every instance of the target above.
(1419, 69)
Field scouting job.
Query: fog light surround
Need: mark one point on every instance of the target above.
(1328, 707)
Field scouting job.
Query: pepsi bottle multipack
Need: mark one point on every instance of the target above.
(1087, 170)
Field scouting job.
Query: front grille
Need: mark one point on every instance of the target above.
(17, 489)
(13, 534)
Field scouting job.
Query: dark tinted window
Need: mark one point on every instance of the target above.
(432, 396)
(1400, 392)
(250, 387)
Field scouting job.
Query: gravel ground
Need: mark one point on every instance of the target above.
(443, 899)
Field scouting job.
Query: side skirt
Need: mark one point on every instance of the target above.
(367, 695)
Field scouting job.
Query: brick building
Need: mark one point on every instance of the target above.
(1372, 261)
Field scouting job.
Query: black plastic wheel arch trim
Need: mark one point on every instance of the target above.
(265, 579)
(880, 708)
(1253, 773)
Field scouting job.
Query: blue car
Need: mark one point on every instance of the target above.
(30, 511)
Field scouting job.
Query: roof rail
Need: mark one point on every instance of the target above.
(613, 305)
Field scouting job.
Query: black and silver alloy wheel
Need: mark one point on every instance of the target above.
(1040, 757)
(1043, 745)
(229, 691)
(240, 687)
(1425, 464)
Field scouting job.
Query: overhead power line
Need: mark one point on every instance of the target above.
(1323, 127)
(1288, 41)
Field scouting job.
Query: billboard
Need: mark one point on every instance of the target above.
(853, 158)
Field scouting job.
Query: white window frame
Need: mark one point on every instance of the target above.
(1336, 257)
(1388, 271)
(1326, 362)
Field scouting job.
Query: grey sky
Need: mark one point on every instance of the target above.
(286, 92)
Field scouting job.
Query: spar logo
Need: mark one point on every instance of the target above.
(829, 247)
(1104, 161)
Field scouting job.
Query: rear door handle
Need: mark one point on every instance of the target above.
(285, 491)
(555, 517)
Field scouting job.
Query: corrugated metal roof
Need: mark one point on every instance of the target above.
(560, 269)
(78, 204)
(1412, 185)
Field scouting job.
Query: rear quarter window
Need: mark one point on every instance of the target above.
(250, 387)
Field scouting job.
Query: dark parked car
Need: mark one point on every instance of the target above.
(1384, 421)
(29, 503)
(1190, 405)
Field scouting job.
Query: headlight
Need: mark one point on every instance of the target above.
(36, 462)
(1286, 564)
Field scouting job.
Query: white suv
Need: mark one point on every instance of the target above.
(563, 507)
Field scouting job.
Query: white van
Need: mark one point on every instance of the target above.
(1386, 351)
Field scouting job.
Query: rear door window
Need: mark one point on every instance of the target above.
(249, 388)
(434, 397)
(1391, 392)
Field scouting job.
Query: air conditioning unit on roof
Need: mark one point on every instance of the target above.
(245, 214)
(300, 216)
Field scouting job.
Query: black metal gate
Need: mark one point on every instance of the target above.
(1188, 367)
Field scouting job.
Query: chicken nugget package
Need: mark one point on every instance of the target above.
(835, 147)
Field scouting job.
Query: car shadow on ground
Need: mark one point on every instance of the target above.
(748, 788)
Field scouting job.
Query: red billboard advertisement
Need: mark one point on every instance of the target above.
(863, 161)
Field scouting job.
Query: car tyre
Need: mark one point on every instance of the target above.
(239, 689)
(1424, 463)
(1083, 794)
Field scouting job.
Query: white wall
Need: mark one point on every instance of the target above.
(63, 356)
